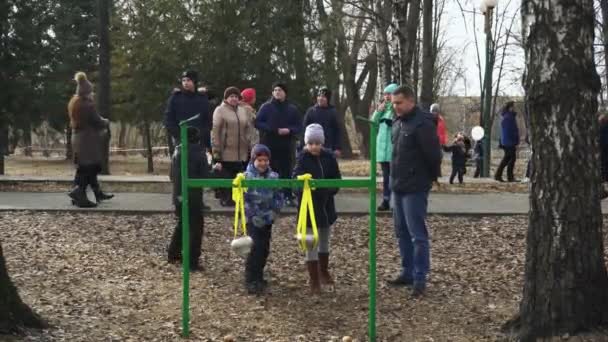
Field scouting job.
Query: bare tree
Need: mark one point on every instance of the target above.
(103, 94)
(565, 277)
(428, 56)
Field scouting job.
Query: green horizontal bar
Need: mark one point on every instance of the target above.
(283, 183)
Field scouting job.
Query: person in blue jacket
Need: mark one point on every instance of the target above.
(279, 124)
(324, 114)
(509, 140)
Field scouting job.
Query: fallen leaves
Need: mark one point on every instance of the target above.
(102, 277)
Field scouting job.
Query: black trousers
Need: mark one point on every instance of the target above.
(256, 261)
(478, 165)
(87, 175)
(196, 232)
(508, 161)
(229, 170)
(282, 163)
(457, 170)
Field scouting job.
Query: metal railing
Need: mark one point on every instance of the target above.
(187, 183)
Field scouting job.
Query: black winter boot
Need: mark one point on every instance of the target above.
(80, 199)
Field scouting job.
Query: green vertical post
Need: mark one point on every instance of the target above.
(372, 233)
(185, 230)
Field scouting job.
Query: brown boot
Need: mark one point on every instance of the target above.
(326, 278)
(313, 273)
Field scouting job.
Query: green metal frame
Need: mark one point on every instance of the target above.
(187, 183)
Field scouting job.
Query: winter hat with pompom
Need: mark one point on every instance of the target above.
(83, 87)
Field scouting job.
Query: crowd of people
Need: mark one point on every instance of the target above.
(263, 144)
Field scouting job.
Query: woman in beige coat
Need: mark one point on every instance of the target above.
(230, 139)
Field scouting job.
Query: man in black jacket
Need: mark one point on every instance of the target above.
(186, 103)
(279, 124)
(415, 166)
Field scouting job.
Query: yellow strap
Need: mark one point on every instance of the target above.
(306, 209)
(238, 196)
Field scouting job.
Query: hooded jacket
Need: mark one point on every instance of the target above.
(262, 205)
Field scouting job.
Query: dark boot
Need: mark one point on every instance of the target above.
(313, 273)
(384, 206)
(326, 278)
(101, 196)
(80, 199)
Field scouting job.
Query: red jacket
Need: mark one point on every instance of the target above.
(442, 131)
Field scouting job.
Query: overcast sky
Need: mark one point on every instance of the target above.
(461, 37)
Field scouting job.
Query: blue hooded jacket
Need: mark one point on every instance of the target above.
(509, 136)
(262, 204)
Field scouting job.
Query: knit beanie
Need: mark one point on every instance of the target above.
(248, 95)
(232, 91)
(314, 134)
(83, 87)
(259, 150)
(324, 91)
(391, 88)
(281, 85)
(191, 74)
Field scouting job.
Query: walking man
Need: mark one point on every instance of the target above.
(415, 166)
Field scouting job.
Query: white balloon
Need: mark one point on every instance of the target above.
(477, 133)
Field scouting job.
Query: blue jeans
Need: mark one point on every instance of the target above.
(386, 179)
(409, 213)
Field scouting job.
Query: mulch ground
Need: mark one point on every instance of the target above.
(99, 277)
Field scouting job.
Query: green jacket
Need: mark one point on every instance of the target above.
(384, 144)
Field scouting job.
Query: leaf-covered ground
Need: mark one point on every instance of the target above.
(99, 277)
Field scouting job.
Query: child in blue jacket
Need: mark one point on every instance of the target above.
(262, 206)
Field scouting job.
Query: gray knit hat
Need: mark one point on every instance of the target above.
(314, 134)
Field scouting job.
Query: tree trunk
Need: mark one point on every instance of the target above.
(122, 135)
(103, 88)
(148, 142)
(27, 139)
(3, 144)
(382, 47)
(14, 314)
(565, 277)
(399, 29)
(428, 58)
(604, 8)
(69, 151)
(416, 68)
(409, 44)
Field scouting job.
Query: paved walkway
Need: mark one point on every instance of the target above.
(165, 179)
(351, 203)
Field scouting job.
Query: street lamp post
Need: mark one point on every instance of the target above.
(487, 9)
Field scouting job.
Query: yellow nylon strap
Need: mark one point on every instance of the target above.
(306, 207)
(238, 196)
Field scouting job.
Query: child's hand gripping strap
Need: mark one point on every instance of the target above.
(306, 207)
(238, 196)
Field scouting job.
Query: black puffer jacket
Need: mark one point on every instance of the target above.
(324, 166)
(416, 153)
